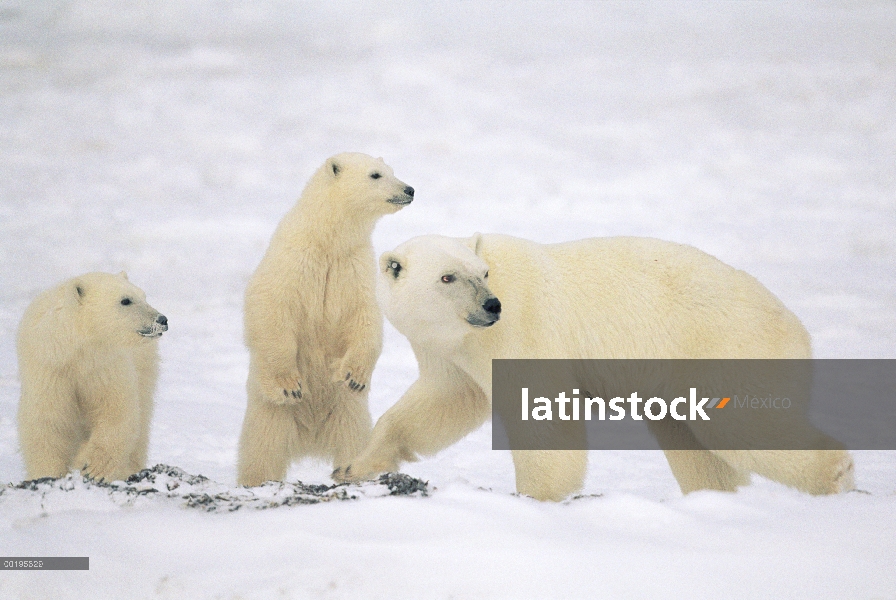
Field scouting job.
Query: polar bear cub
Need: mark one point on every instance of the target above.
(312, 325)
(462, 303)
(88, 363)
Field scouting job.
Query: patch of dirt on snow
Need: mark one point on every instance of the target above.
(163, 482)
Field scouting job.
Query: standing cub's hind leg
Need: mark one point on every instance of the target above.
(347, 429)
(268, 440)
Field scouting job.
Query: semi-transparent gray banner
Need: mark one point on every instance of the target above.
(816, 404)
(44, 563)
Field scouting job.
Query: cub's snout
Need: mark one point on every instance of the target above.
(159, 326)
(406, 197)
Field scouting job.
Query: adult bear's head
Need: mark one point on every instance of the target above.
(434, 289)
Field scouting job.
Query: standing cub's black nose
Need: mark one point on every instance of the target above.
(492, 305)
(409, 191)
(162, 320)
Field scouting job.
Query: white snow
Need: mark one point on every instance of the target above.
(167, 139)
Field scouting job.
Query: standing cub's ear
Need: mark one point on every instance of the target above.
(390, 263)
(78, 291)
(474, 243)
(334, 166)
(123, 275)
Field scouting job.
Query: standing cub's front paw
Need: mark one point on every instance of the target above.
(353, 384)
(285, 388)
(352, 375)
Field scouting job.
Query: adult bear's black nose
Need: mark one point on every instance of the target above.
(493, 306)
(162, 320)
(409, 191)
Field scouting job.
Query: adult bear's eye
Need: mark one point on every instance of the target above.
(447, 278)
(375, 175)
(125, 301)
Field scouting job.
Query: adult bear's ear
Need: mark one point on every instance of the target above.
(335, 168)
(123, 275)
(390, 263)
(475, 243)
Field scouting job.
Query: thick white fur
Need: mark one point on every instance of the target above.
(594, 298)
(88, 366)
(312, 325)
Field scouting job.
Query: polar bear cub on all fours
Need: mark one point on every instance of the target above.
(312, 324)
(463, 302)
(88, 363)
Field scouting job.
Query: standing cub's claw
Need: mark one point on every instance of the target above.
(284, 389)
(345, 475)
(296, 393)
(355, 386)
(99, 468)
(354, 371)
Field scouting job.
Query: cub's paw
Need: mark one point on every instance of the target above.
(339, 472)
(98, 466)
(283, 389)
(350, 374)
(348, 474)
(354, 385)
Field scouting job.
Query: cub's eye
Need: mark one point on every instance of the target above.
(375, 175)
(447, 278)
(485, 276)
(125, 301)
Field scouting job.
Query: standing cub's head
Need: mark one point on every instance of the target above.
(355, 184)
(434, 289)
(111, 308)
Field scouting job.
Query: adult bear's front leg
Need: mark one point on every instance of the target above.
(437, 410)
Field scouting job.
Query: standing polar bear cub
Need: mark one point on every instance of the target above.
(312, 325)
(88, 362)
(462, 303)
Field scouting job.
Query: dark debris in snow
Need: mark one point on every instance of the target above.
(164, 482)
(400, 484)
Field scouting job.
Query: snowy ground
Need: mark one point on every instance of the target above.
(167, 138)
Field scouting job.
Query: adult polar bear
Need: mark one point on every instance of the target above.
(595, 298)
(312, 325)
(88, 361)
